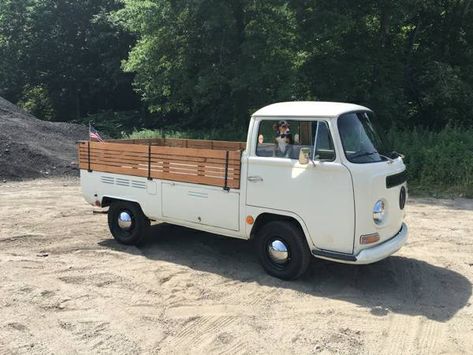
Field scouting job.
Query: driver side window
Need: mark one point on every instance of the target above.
(286, 138)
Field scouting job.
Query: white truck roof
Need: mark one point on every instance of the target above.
(308, 109)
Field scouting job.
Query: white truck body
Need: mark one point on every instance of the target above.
(332, 201)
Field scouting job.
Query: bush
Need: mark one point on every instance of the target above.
(36, 101)
(115, 124)
(438, 163)
(216, 134)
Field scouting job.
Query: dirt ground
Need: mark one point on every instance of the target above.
(67, 287)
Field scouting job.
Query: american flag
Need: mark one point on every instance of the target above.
(94, 135)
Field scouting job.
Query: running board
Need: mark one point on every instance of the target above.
(332, 255)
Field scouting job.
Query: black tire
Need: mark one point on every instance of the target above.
(298, 253)
(139, 223)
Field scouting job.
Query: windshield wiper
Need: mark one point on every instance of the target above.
(363, 154)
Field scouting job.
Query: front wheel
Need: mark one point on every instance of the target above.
(283, 250)
(127, 222)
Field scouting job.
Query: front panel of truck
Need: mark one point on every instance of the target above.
(320, 194)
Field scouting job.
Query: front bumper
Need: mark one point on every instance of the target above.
(383, 250)
(369, 255)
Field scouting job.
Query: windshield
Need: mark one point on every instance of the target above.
(361, 142)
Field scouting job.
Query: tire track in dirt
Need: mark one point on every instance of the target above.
(411, 335)
(427, 338)
(200, 333)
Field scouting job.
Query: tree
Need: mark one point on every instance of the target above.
(68, 48)
(210, 62)
(410, 61)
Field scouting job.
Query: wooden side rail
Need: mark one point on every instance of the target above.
(194, 165)
(185, 143)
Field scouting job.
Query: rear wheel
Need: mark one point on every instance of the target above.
(127, 222)
(282, 250)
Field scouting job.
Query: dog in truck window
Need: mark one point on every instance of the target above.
(283, 138)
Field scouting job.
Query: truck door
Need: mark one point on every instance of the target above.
(320, 192)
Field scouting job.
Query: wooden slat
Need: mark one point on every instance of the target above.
(205, 180)
(194, 164)
(186, 143)
(190, 152)
(119, 161)
(154, 157)
(203, 171)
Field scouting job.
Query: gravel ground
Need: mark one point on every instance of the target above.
(67, 287)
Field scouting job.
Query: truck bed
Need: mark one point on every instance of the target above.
(206, 162)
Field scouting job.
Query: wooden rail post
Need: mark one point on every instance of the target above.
(225, 187)
(88, 157)
(149, 161)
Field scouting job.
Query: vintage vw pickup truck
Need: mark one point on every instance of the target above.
(313, 179)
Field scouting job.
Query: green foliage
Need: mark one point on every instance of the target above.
(70, 49)
(208, 61)
(211, 62)
(214, 134)
(115, 124)
(437, 162)
(36, 101)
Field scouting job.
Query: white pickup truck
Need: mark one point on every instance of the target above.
(313, 179)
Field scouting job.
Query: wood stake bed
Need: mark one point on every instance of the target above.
(215, 163)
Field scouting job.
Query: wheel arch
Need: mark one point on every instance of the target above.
(266, 217)
(107, 201)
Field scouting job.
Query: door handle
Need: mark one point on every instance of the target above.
(255, 178)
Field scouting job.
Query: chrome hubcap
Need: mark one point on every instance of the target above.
(124, 220)
(278, 251)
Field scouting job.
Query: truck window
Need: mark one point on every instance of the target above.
(285, 138)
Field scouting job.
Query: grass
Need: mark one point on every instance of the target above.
(216, 134)
(439, 164)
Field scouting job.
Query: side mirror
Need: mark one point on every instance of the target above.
(304, 155)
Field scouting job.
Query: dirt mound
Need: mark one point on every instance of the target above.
(31, 148)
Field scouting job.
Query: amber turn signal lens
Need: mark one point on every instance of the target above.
(250, 220)
(369, 238)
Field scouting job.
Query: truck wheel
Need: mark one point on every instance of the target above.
(127, 222)
(282, 250)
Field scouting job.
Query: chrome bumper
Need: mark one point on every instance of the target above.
(369, 255)
(383, 250)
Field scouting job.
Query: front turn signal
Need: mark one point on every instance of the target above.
(369, 238)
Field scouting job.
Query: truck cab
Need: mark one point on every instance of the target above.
(347, 194)
(315, 180)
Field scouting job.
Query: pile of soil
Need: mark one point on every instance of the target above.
(31, 148)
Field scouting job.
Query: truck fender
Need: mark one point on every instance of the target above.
(265, 216)
(107, 200)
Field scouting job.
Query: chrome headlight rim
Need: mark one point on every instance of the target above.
(379, 212)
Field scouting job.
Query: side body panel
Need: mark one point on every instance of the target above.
(201, 205)
(171, 202)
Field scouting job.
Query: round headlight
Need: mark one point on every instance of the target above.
(378, 212)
